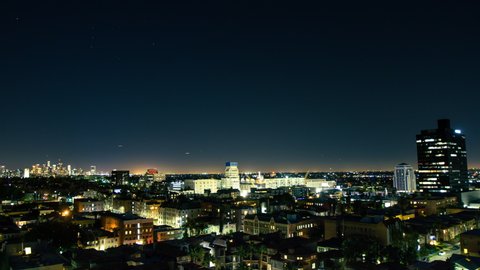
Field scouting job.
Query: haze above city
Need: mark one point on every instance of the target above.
(184, 88)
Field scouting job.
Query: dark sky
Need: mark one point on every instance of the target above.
(273, 85)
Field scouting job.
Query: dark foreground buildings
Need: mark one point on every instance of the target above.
(442, 159)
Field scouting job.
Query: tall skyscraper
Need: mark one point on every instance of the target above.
(232, 176)
(404, 178)
(442, 159)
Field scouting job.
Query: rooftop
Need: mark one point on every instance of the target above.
(126, 216)
(472, 232)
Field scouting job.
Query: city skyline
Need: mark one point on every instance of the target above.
(140, 169)
(239, 135)
(274, 87)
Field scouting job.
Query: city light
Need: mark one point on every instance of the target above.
(257, 135)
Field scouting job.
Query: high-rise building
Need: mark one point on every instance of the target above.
(232, 176)
(26, 173)
(93, 170)
(442, 159)
(120, 177)
(404, 178)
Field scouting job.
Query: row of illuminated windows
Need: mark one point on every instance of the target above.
(138, 231)
(103, 241)
(304, 226)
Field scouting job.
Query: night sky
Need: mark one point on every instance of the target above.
(186, 86)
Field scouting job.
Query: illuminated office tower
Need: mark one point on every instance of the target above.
(232, 176)
(442, 159)
(69, 169)
(26, 173)
(404, 178)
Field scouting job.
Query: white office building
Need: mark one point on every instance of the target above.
(202, 186)
(404, 178)
(232, 176)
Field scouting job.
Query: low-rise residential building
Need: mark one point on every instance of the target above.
(374, 227)
(8, 229)
(136, 207)
(131, 228)
(88, 205)
(433, 205)
(433, 229)
(202, 186)
(291, 253)
(470, 243)
(318, 206)
(42, 261)
(294, 259)
(83, 222)
(289, 224)
(462, 262)
(283, 182)
(177, 214)
(152, 211)
(166, 233)
(98, 239)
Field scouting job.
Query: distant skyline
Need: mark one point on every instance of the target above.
(184, 87)
(142, 168)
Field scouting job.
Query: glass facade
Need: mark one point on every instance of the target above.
(442, 160)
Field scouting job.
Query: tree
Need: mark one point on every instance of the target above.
(404, 204)
(261, 249)
(61, 234)
(242, 252)
(207, 258)
(289, 266)
(404, 245)
(197, 254)
(194, 227)
(361, 248)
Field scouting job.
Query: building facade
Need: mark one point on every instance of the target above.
(469, 243)
(442, 159)
(88, 205)
(131, 229)
(232, 176)
(404, 179)
(120, 177)
(176, 216)
(202, 186)
(288, 224)
(284, 182)
(371, 227)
